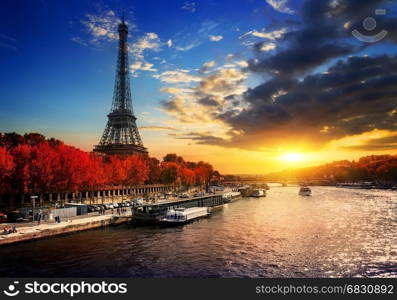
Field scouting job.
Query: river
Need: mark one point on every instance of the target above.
(335, 233)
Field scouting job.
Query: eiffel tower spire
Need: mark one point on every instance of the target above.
(121, 134)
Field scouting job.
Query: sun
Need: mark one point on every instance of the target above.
(292, 157)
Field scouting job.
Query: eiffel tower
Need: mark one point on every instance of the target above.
(121, 134)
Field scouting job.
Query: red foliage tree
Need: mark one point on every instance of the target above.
(118, 170)
(42, 168)
(170, 173)
(20, 178)
(188, 177)
(137, 170)
(34, 164)
(154, 170)
(6, 167)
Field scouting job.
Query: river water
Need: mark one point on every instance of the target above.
(335, 233)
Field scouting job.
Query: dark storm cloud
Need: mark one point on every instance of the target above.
(200, 138)
(352, 97)
(169, 105)
(321, 37)
(208, 101)
(355, 95)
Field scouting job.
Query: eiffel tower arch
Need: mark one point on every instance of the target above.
(121, 135)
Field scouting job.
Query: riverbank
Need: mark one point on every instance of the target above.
(147, 213)
(30, 232)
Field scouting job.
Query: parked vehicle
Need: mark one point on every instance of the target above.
(92, 208)
(184, 195)
(137, 201)
(14, 216)
(3, 218)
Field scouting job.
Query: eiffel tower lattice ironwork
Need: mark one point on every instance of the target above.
(121, 134)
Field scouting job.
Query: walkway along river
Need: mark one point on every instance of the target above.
(336, 232)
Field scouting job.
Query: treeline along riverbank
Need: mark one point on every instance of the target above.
(30, 165)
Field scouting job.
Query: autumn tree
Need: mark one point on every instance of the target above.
(170, 173)
(137, 170)
(154, 170)
(6, 167)
(20, 177)
(188, 177)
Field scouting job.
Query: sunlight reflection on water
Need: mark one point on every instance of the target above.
(334, 233)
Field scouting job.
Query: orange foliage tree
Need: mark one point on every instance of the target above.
(32, 164)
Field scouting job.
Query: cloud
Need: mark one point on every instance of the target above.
(156, 128)
(207, 66)
(206, 96)
(191, 37)
(79, 40)
(188, 46)
(267, 47)
(101, 27)
(388, 142)
(149, 40)
(254, 39)
(203, 138)
(142, 66)
(271, 35)
(352, 97)
(242, 63)
(320, 38)
(169, 43)
(190, 6)
(215, 38)
(176, 76)
(317, 87)
(280, 6)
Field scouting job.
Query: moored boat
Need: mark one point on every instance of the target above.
(258, 193)
(182, 215)
(231, 196)
(305, 191)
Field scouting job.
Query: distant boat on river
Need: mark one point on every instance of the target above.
(305, 191)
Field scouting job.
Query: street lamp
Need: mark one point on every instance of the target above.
(33, 205)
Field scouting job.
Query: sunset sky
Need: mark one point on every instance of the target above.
(252, 86)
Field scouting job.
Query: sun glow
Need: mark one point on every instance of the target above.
(292, 157)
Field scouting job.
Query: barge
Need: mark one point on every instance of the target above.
(154, 213)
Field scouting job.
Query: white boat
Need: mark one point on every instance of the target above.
(258, 193)
(305, 191)
(181, 215)
(231, 196)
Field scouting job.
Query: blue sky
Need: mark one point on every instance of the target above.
(58, 63)
(51, 83)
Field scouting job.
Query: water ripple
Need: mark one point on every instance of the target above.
(334, 233)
